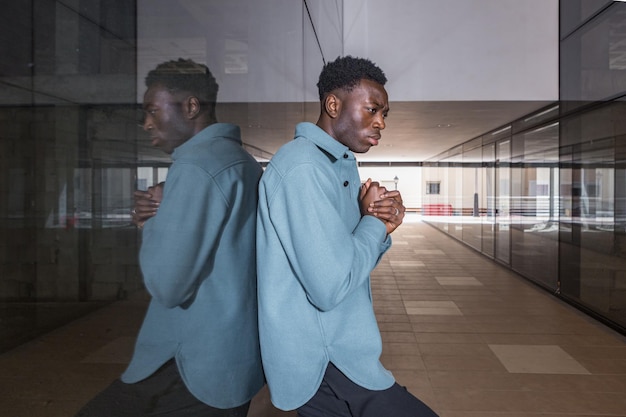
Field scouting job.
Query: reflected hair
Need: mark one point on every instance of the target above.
(185, 75)
(346, 72)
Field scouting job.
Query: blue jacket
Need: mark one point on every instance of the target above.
(315, 255)
(198, 262)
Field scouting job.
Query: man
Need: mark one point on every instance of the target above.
(319, 235)
(197, 352)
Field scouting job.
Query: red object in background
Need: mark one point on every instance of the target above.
(437, 210)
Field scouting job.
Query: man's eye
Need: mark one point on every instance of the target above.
(146, 113)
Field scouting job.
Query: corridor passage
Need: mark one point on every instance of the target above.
(468, 337)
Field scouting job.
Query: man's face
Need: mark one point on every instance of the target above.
(361, 116)
(164, 118)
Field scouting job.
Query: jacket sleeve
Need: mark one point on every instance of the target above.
(330, 258)
(179, 243)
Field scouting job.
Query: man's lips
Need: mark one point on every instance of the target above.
(373, 139)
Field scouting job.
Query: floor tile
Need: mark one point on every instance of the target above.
(447, 308)
(461, 281)
(404, 264)
(537, 359)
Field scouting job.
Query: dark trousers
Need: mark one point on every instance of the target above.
(338, 396)
(162, 394)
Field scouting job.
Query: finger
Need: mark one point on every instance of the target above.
(385, 212)
(393, 195)
(145, 213)
(391, 210)
(385, 202)
(364, 188)
(142, 214)
(146, 203)
(387, 207)
(141, 193)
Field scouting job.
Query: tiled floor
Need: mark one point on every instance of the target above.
(465, 335)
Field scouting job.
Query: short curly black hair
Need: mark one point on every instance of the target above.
(346, 72)
(185, 75)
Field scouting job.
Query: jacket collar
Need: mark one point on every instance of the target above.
(323, 140)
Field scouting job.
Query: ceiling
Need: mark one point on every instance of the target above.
(415, 132)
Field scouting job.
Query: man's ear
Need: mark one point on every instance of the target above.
(192, 107)
(332, 105)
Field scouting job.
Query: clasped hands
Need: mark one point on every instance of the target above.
(146, 204)
(375, 200)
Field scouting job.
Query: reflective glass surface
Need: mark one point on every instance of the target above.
(72, 147)
(593, 59)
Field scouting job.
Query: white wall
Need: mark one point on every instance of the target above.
(259, 51)
(459, 49)
(409, 182)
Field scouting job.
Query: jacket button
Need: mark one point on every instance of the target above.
(345, 156)
(345, 183)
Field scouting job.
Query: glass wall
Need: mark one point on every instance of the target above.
(557, 212)
(593, 86)
(67, 150)
(558, 178)
(72, 150)
(592, 254)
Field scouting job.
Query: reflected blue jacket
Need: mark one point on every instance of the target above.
(198, 262)
(315, 255)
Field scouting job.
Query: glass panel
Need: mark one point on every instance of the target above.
(455, 200)
(503, 201)
(534, 217)
(592, 257)
(472, 174)
(593, 60)
(487, 201)
(67, 64)
(578, 11)
(72, 152)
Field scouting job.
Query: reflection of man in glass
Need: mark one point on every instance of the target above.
(319, 236)
(197, 352)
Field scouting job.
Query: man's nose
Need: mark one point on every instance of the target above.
(380, 122)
